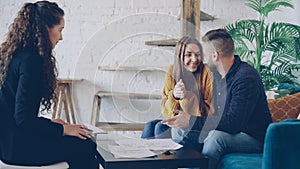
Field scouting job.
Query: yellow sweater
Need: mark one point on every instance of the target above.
(190, 103)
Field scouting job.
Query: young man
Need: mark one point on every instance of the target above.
(241, 114)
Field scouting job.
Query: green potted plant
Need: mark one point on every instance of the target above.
(272, 48)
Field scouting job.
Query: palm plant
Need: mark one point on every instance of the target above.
(273, 49)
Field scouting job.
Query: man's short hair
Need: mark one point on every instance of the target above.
(221, 40)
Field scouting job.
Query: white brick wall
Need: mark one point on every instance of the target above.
(113, 32)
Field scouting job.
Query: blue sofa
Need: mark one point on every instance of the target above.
(281, 150)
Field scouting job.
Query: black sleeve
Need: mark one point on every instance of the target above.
(28, 97)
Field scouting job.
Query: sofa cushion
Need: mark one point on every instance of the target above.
(285, 107)
(241, 161)
(282, 145)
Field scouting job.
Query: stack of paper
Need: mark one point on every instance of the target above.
(125, 152)
(140, 148)
(94, 129)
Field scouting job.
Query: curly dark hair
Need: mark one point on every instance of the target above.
(30, 30)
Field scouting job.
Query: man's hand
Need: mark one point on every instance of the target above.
(181, 120)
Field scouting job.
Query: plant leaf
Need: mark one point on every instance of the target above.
(264, 7)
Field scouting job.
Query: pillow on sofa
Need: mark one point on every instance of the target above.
(285, 107)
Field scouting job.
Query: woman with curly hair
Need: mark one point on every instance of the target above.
(27, 83)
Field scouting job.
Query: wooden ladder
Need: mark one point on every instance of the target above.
(112, 126)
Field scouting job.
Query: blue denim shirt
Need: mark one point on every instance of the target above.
(240, 103)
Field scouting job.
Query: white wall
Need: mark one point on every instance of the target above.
(287, 14)
(113, 32)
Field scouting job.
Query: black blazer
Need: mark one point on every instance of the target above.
(20, 127)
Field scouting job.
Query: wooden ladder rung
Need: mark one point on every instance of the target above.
(129, 95)
(111, 126)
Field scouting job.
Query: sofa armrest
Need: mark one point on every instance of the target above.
(282, 145)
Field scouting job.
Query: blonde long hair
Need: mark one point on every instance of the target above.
(179, 72)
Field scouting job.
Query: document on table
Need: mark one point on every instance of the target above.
(94, 129)
(150, 144)
(140, 148)
(125, 152)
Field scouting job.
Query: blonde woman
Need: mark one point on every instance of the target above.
(188, 87)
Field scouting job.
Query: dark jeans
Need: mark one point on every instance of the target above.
(155, 129)
(192, 140)
(187, 138)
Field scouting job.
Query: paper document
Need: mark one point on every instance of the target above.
(124, 152)
(151, 144)
(140, 148)
(94, 129)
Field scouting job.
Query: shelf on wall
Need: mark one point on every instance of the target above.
(132, 68)
(172, 42)
(203, 16)
(206, 17)
(168, 42)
